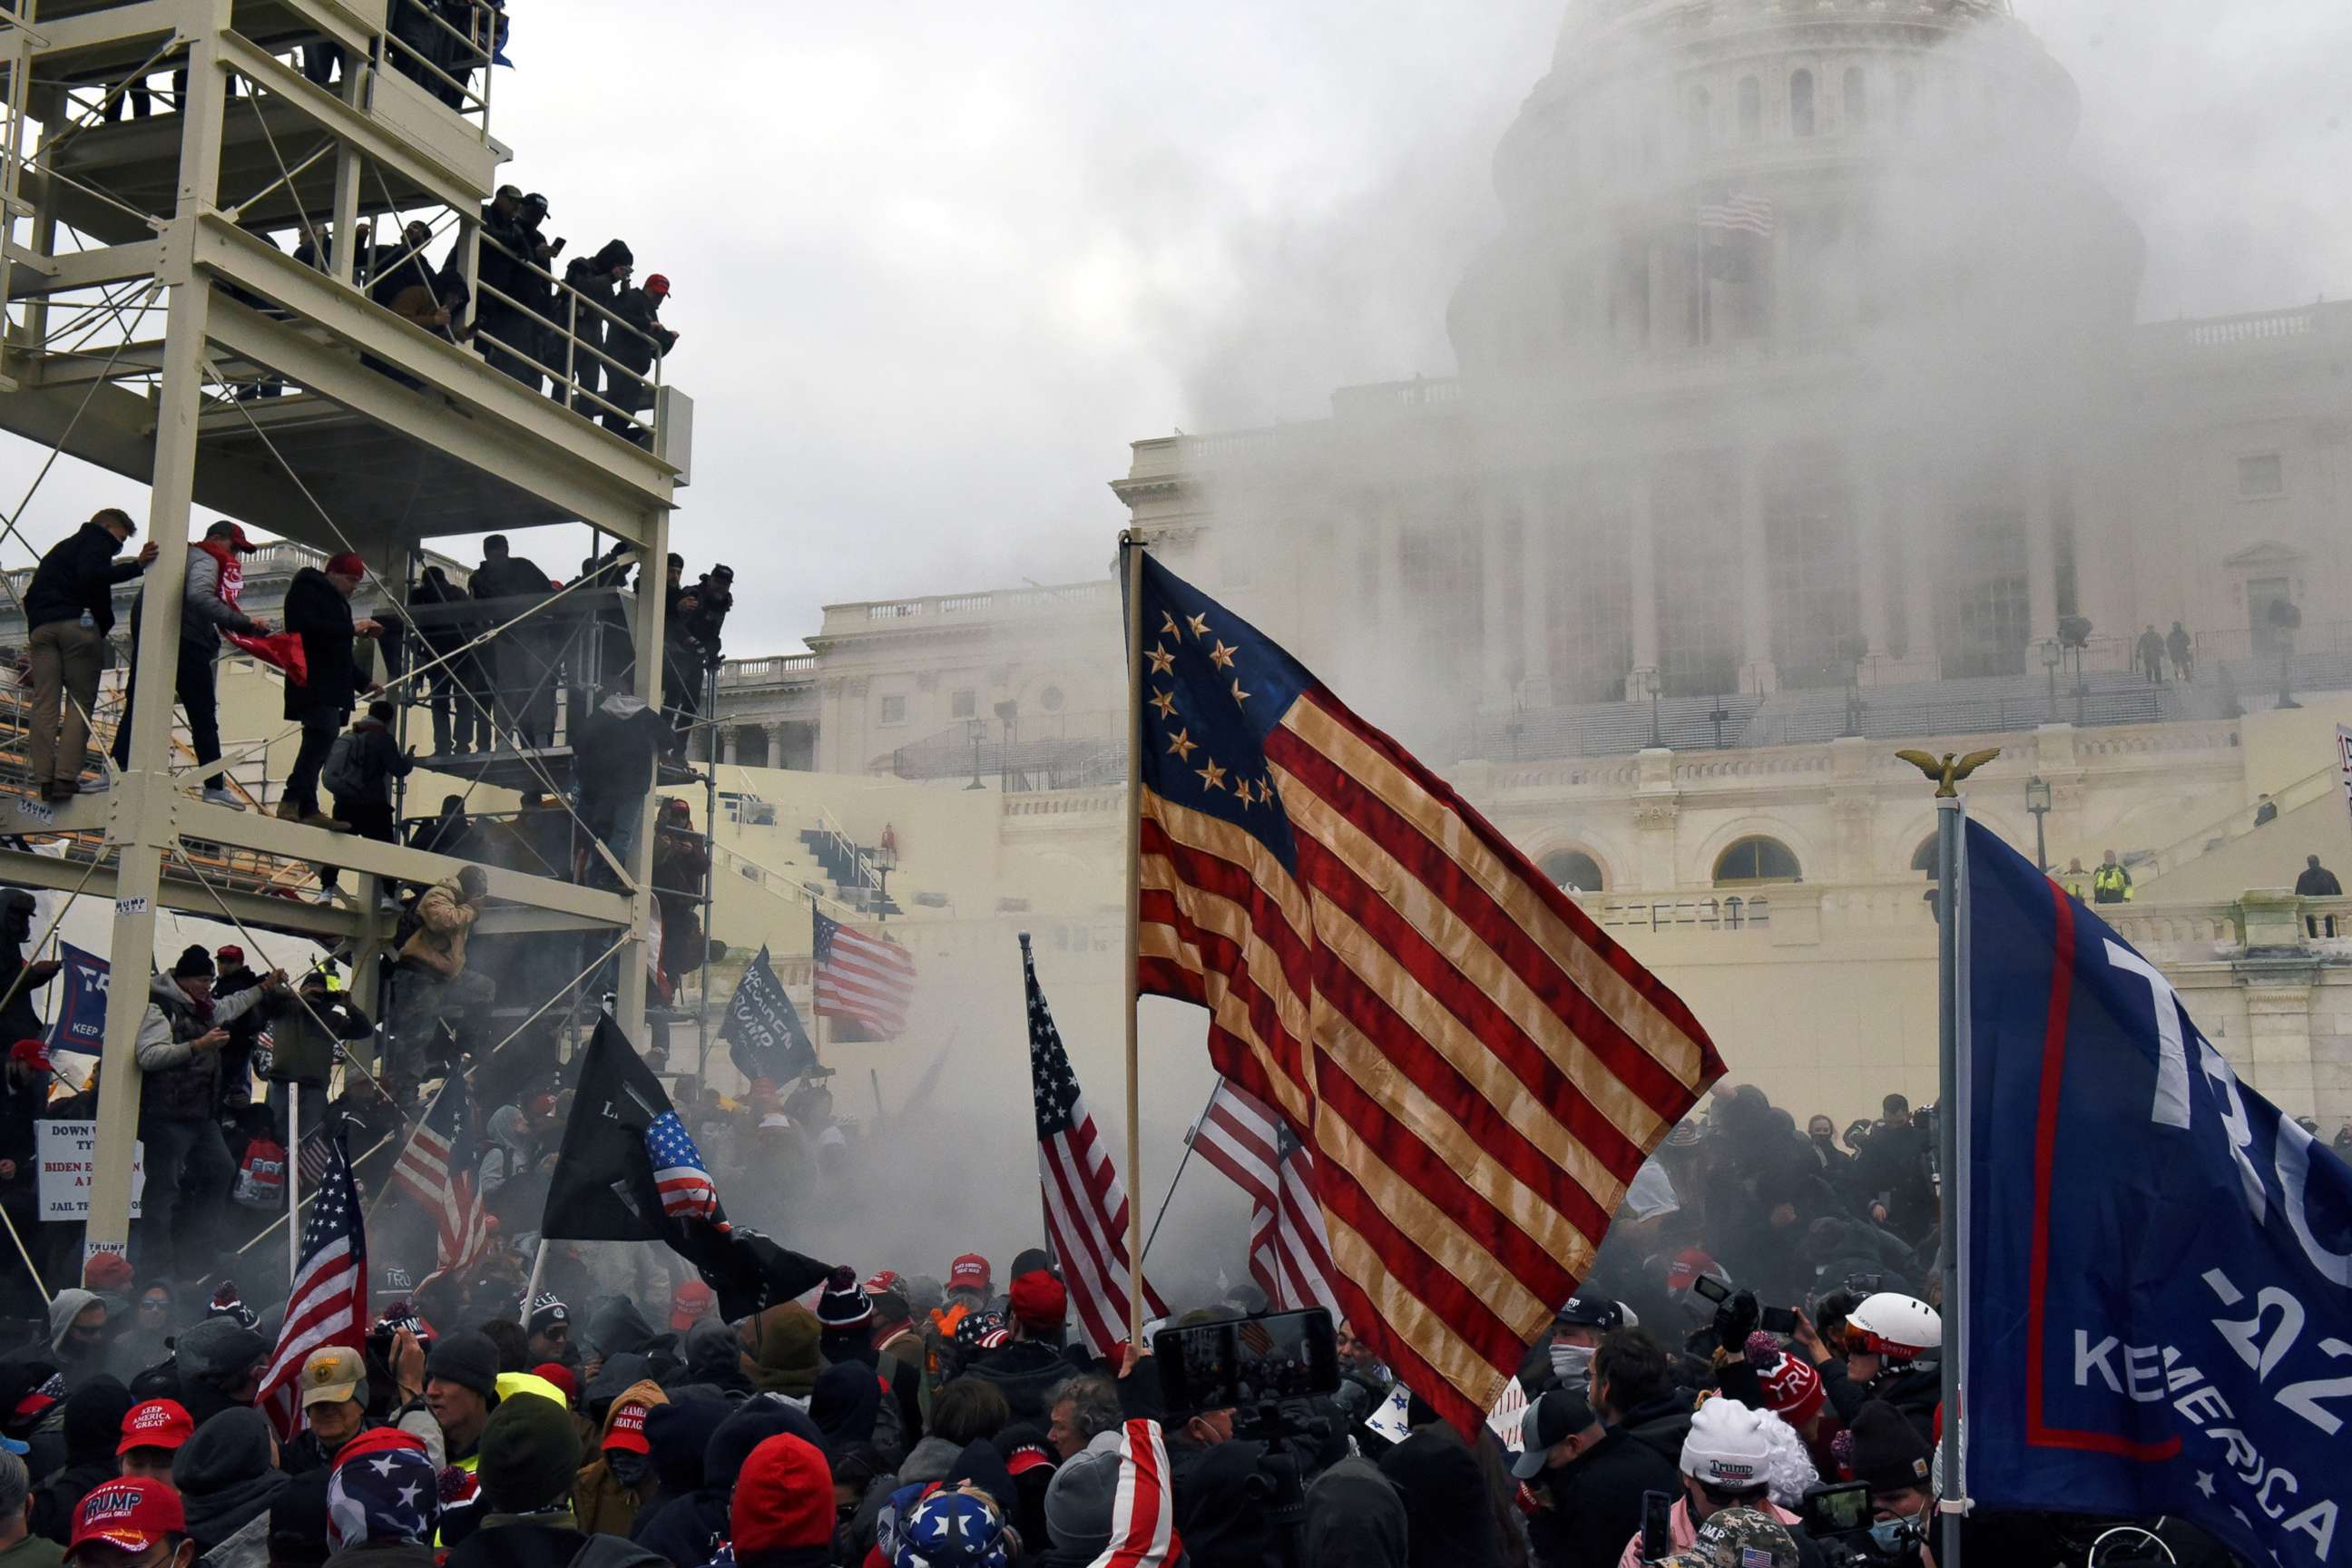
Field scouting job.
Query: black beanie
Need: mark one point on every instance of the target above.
(469, 1360)
(1888, 1451)
(193, 961)
(530, 1455)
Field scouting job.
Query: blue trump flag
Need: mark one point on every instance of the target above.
(2159, 1279)
(763, 1029)
(80, 1022)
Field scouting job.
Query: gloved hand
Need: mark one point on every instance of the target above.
(1736, 1320)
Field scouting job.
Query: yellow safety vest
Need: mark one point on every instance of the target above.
(2111, 885)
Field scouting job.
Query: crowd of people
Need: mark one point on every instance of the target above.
(1757, 1340)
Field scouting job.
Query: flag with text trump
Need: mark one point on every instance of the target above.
(1477, 1070)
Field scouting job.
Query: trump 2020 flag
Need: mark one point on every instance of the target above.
(80, 1022)
(2160, 1264)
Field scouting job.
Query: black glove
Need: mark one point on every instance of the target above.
(1736, 1320)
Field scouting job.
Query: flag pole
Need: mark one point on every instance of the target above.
(1131, 560)
(538, 1273)
(1951, 816)
(817, 1014)
(293, 1183)
(1044, 1206)
(1178, 1179)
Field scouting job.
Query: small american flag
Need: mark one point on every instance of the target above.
(687, 1190)
(866, 979)
(1290, 1252)
(1086, 1207)
(1143, 1509)
(441, 1169)
(312, 1159)
(328, 1304)
(1738, 215)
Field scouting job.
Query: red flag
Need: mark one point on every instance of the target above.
(280, 651)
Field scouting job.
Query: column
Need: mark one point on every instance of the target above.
(2041, 550)
(1642, 501)
(1867, 494)
(629, 1002)
(731, 746)
(776, 746)
(1535, 581)
(1754, 581)
(1914, 511)
(1494, 588)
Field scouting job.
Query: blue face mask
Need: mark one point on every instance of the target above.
(1892, 1536)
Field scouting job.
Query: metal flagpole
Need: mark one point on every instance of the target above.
(1177, 1180)
(1950, 815)
(1131, 559)
(293, 1183)
(817, 1014)
(538, 1273)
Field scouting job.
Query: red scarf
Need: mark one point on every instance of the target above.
(232, 570)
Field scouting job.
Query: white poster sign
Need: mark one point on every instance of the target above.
(68, 1154)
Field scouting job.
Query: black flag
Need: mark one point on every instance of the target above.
(605, 1188)
(763, 1029)
(748, 1272)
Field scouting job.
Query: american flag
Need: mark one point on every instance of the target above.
(1738, 215)
(687, 1190)
(1290, 1257)
(1143, 1509)
(1477, 1070)
(328, 1304)
(312, 1159)
(441, 1168)
(1086, 1207)
(866, 979)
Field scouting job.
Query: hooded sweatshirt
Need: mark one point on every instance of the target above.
(787, 1360)
(1355, 1518)
(64, 1308)
(847, 1399)
(714, 1358)
(225, 1477)
(600, 1501)
(688, 1529)
(93, 1426)
(618, 1328)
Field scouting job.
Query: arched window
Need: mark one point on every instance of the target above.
(1574, 871)
(1857, 100)
(1924, 857)
(1700, 119)
(1800, 104)
(1751, 110)
(1757, 861)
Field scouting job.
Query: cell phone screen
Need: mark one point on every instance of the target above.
(1778, 1320)
(1656, 1514)
(1248, 1361)
(1714, 1289)
(1837, 1511)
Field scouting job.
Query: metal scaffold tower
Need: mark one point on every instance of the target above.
(157, 329)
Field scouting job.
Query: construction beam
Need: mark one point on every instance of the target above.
(273, 836)
(31, 274)
(112, 30)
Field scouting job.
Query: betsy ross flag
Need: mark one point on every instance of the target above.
(328, 1304)
(1290, 1257)
(1477, 1070)
(440, 1168)
(1086, 1207)
(867, 980)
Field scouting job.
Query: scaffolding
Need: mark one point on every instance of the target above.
(287, 392)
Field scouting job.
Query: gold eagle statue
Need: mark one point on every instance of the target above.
(1949, 770)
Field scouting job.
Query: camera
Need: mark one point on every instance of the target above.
(1837, 1518)
(1248, 1364)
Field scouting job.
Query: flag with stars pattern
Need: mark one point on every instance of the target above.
(1085, 1205)
(328, 1304)
(1478, 1071)
(686, 1187)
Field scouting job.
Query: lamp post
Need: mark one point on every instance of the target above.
(978, 731)
(886, 860)
(1651, 683)
(2037, 801)
(2052, 654)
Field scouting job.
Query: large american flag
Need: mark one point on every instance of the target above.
(686, 1187)
(866, 979)
(441, 1168)
(328, 1304)
(1143, 1509)
(1477, 1070)
(1738, 215)
(1290, 1255)
(1086, 1206)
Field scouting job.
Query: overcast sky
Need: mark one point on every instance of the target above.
(936, 265)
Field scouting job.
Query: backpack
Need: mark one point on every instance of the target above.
(261, 1179)
(344, 775)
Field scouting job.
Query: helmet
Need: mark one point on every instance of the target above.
(1892, 1326)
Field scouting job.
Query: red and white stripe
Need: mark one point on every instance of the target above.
(1738, 215)
(328, 1305)
(868, 980)
(1143, 1515)
(1290, 1255)
(1086, 1224)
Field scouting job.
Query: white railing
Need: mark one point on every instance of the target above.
(943, 606)
(777, 667)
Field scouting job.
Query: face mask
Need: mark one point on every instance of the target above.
(1892, 1536)
(629, 1469)
(1570, 1363)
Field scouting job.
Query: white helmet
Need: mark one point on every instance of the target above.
(1893, 1327)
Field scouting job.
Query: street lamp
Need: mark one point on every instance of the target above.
(1652, 681)
(2037, 801)
(2053, 655)
(978, 731)
(886, 860)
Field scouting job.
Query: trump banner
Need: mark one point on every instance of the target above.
(763, 1029)
(2158, 1275)
(79, 1023)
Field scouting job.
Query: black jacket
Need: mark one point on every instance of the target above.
(323, 619)
(1594, 1504)
(1024, 1372)
(508, 578)
(79, 573)
(613, 757)
(1914, 1389)
(2318, 882)
(1661, 1425)
(650, 341)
